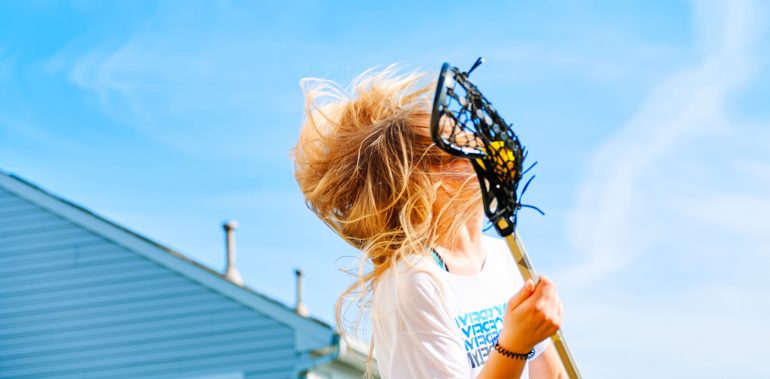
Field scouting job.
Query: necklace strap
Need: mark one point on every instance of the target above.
(439, 261)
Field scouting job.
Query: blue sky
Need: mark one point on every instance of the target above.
(650, 122)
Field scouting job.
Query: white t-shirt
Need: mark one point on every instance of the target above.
(419, 334)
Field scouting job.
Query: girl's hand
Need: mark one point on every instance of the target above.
(532, 315)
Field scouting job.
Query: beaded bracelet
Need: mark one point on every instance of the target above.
(511, 354)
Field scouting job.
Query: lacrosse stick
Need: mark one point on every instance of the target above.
(465, 124)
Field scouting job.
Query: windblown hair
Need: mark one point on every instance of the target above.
(368, 168)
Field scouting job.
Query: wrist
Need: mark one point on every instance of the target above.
(513, 354)
(516, 345)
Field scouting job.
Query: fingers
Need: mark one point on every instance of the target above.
(546, 306)
(546, 290)
(534, 314)
(546, 285)
(525, 292)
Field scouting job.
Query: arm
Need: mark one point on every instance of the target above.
(498, 366)
(533, 314)
(547, 365)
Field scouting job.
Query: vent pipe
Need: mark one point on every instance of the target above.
(301, 309)
(231, 272)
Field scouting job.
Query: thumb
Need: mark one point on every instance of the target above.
(522, 295)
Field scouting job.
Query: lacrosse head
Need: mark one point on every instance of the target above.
(464, 124)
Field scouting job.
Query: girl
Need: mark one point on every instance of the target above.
(446, 300)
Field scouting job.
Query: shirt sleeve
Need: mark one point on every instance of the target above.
(423, 342)
(540, 347)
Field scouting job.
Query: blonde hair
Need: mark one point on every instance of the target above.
(368, 168)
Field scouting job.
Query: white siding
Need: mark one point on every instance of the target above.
(75, 305)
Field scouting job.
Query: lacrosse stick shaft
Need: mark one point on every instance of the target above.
(528, 272)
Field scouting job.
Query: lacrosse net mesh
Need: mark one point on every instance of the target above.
(465, 124)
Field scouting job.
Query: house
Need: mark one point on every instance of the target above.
(83, 297)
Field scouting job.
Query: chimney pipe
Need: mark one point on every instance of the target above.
(301, 309)
(231, 272)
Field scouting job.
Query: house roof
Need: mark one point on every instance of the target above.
(315, 334)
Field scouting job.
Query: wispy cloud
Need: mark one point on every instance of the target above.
(197, 84)
(670, 221)
(616, 219)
